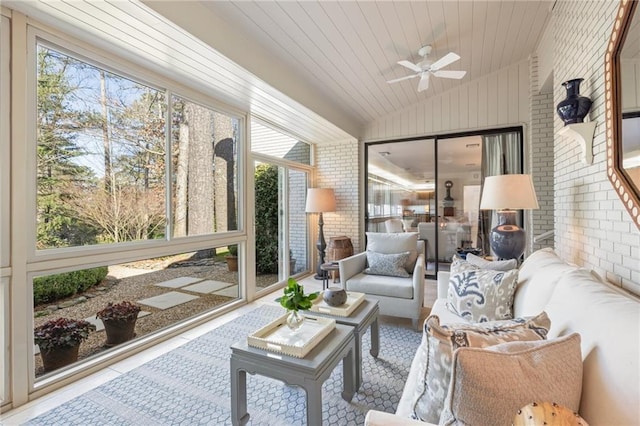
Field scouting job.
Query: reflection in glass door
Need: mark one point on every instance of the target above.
(459, 182)
(401, 191)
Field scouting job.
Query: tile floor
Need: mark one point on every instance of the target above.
(45, 403)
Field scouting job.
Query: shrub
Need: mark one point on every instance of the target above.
(266, 188)
(61, 333)
(54, 287)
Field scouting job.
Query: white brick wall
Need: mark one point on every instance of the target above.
(592, 227)
(338, 166)
(541, 158)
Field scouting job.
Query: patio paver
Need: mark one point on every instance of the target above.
(167, 300)
(178, 282)
(228, 292)
(206, 287)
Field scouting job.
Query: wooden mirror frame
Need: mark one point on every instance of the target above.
(613, 105)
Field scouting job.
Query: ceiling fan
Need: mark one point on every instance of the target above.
(426, 67)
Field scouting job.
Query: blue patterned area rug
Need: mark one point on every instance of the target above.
(190, 385)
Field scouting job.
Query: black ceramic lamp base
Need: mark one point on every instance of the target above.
(507, 240)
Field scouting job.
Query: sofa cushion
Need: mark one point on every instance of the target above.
(489, 385)
(538, 275)
(439, 342)
(608, 320)
(392, 265)
(392, 243)
(481, 295)
(380, 285)
(496, 265)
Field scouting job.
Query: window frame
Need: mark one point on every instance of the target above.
(32, 262)
(5, 206)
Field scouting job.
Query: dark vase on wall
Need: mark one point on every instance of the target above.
(574, 108)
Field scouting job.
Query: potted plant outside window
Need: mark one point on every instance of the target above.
(119, 321)
(59, 341)
(232, 258)
(295, 300)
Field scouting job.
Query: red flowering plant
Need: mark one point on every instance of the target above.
(61, 333)
(123, 311)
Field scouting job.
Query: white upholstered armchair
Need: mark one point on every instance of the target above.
(390, 271)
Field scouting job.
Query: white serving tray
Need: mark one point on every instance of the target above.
(354, 300)
(277, 337)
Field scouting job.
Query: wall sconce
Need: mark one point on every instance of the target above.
(572, 110)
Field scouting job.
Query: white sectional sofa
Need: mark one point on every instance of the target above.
(576, 300)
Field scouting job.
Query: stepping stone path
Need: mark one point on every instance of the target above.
(229, 291)
(168, 300)
(206, 287)
(178, 282)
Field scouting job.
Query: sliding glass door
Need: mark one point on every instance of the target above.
(433, 186)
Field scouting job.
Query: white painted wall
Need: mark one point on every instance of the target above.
(593, 228)
(499, 99)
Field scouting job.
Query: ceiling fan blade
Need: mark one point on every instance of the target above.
(424, 82)
(447, 59)
(395, 80)
(410, 65)
(450, 74)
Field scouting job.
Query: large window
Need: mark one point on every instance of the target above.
(102, 159)
(101, 151)
(121, 160)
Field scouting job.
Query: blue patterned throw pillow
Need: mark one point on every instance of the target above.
(387, 264)
(481, 295)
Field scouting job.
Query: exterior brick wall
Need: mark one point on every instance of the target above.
(338, 168)
(592, 227)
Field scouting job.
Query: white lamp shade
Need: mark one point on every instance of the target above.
(508, 192)
(320, 200)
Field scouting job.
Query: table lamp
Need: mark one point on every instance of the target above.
(506, 194)
(320, 200)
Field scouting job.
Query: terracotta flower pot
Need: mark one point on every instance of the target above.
(119, 331)
(232, 263)
(59, 357)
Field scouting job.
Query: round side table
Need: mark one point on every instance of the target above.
(328, 269)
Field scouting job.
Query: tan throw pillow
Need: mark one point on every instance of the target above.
(496, 265)
(394, 243)
(438, 344)
(489, 385)
(480, 295)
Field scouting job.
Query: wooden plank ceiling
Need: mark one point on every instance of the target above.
(349, 49)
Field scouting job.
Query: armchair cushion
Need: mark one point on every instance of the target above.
(380, 285)
(392, 265)
(386, 243)
(489, 385)
(440, 341)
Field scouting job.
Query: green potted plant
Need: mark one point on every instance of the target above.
(232, 258)
(295, 300)
(119, 321)
(59, 341)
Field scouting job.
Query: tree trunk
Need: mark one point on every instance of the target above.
(225, 201)
(200, 214)
(182, 168)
